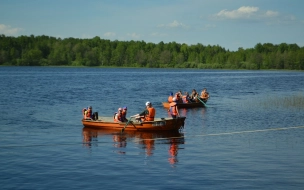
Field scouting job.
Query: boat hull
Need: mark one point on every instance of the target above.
(159, 124)
(185, 105)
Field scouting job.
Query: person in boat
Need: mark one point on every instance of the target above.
(148, 114)
(193, 96)
(186, 98)
(173, 109)
(180, 94)
(170, 97)
(87, 113)
(178, 97)
(124, 114)
(118, 115)
(204, 95)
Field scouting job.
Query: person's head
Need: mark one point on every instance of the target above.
(124, 109)
(148, 104)
(90, 107)
(119, 110)
(174, 99)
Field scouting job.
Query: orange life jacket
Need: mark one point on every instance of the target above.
(173, 108)
(170, 99)
(204, 95)
(151, 115)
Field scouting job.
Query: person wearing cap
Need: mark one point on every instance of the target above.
(148, 114)
(124, 114)
(118, 115)
(173, 109)
(170, 97)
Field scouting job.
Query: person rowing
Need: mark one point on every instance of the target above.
(147, 115)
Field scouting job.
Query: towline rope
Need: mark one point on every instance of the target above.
(253, 131)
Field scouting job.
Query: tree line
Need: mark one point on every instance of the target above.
(50, 51)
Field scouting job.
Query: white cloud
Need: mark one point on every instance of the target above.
(158, 34)
(134, 35)
(8, 30)
(109, 34)
(174, 24)
(271, 14)
(245, 12)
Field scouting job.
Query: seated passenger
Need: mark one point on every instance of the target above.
(124, 114)
(204, 95)
(178, 98)
(193, 96)
(118, 115)
(186, 98)
(88, 113)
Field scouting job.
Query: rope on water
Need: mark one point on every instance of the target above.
(253, 131)
(230, 133)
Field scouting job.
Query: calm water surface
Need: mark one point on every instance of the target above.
(244, 139)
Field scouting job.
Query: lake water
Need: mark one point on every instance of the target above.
(247, 137)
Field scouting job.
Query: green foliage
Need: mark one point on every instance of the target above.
(49, 51)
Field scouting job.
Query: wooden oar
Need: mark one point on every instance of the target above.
(122, 130)
(202, 101)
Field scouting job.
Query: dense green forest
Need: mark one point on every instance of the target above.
(50, 51)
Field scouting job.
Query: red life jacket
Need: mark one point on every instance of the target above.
(151, 115)
(89, 113)
(185, 99)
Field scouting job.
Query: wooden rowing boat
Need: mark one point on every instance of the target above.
(185, 105)
(159, 124)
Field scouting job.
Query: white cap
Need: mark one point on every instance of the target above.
(148, 103)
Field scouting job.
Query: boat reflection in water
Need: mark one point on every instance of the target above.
(145, 140)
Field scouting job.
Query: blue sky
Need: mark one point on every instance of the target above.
(228, 23)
